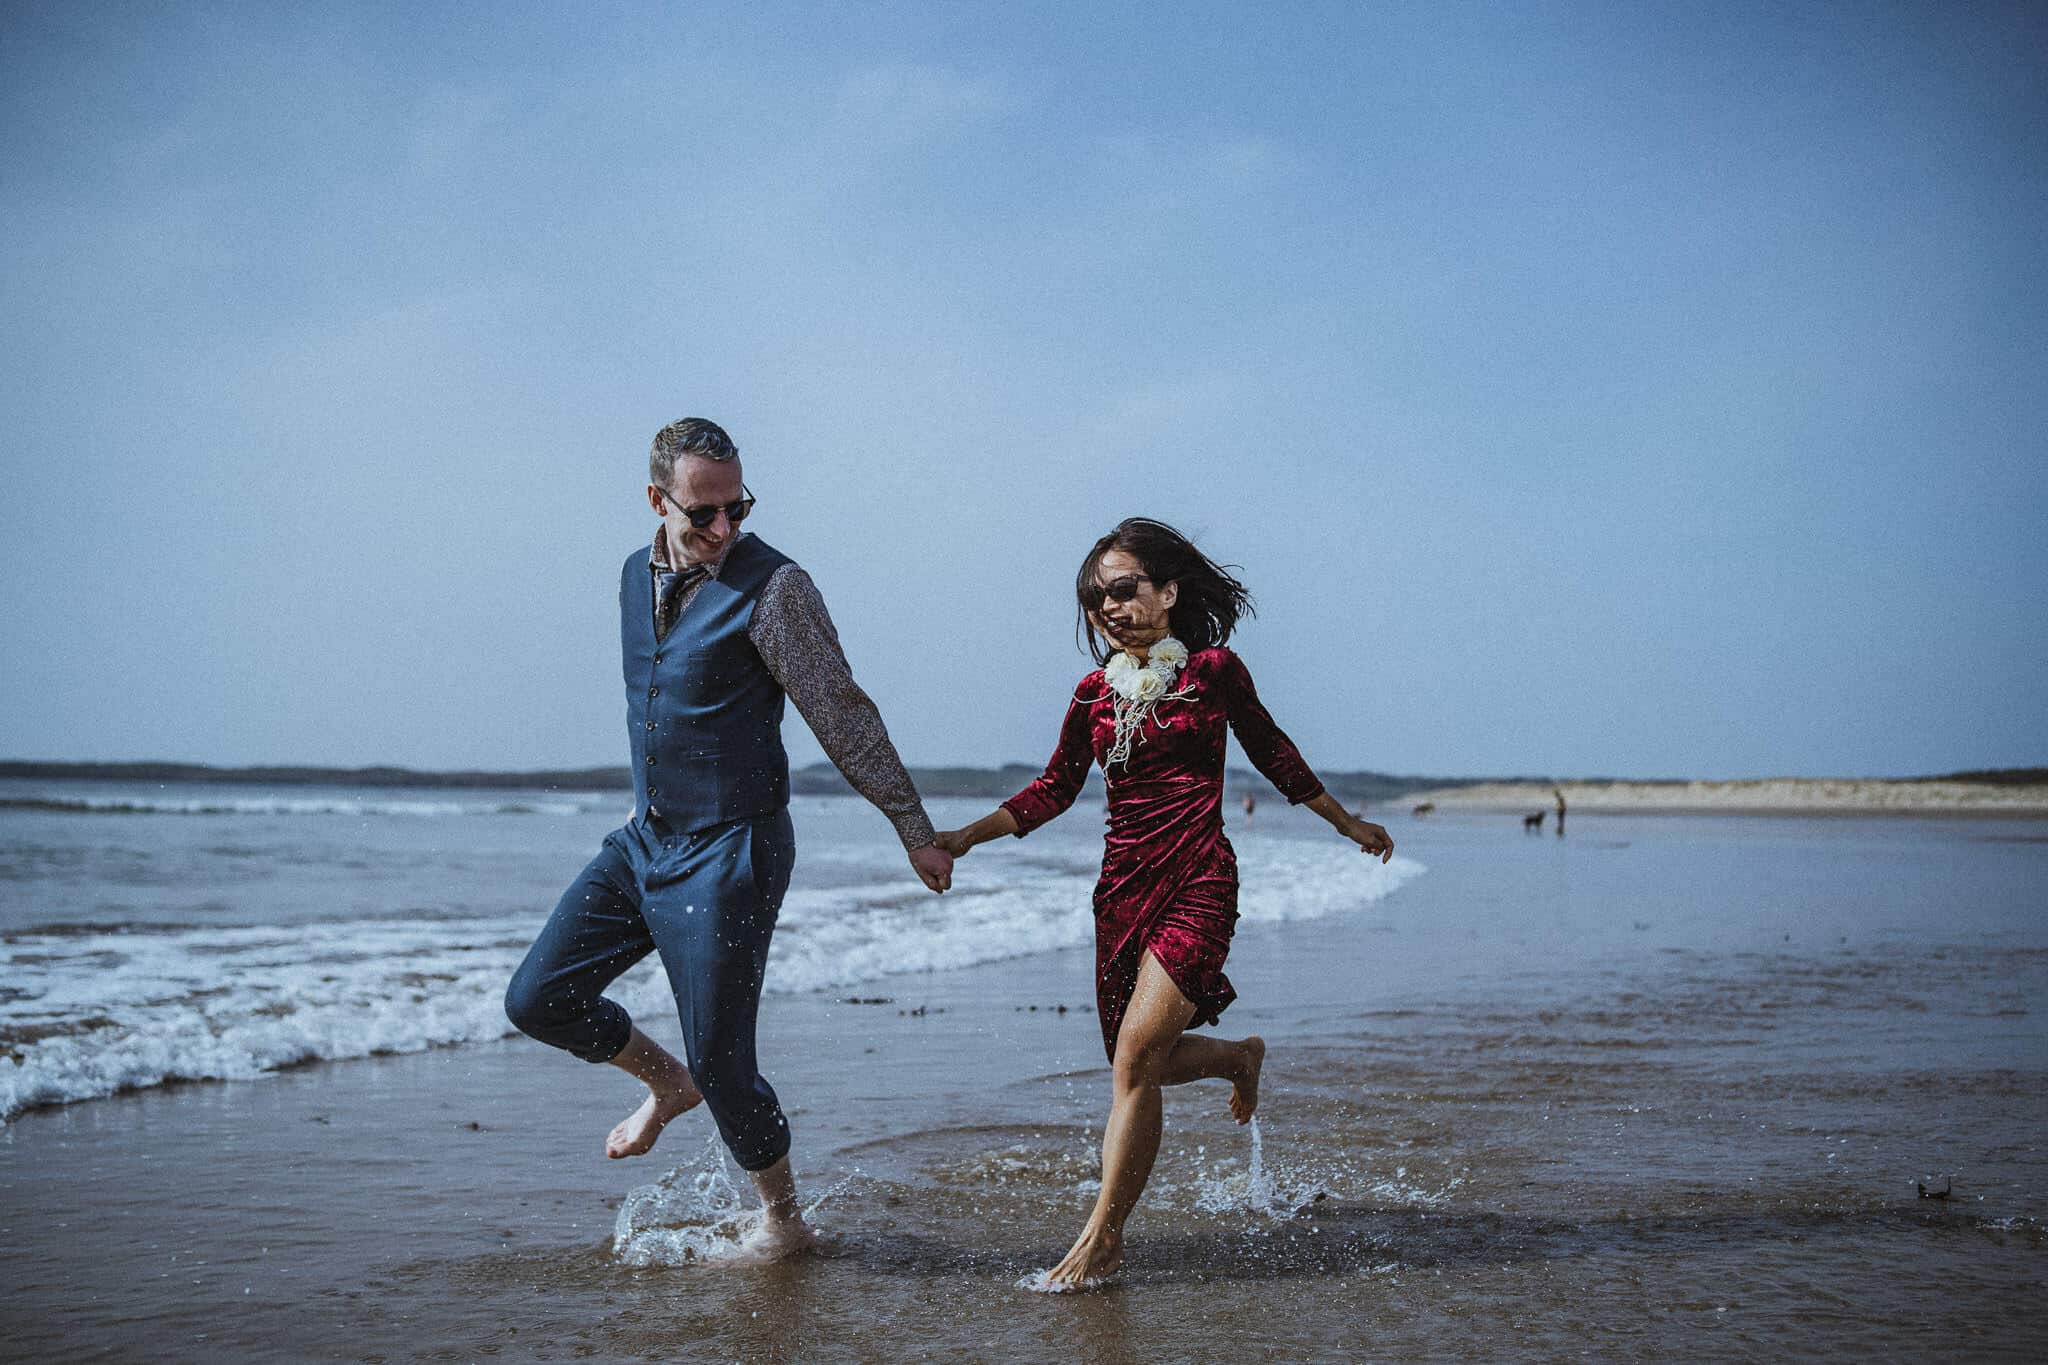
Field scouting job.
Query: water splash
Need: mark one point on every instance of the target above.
(685, 1216)
(1254, 1190)
(699, 1215)
(1041, 1282)
(839, 1187)
(1401, 1190)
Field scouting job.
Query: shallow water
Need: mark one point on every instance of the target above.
(152, 935)
(1663, 1089)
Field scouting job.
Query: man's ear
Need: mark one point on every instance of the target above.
(654, 500)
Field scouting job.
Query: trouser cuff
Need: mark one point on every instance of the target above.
(754, 1161)
(614, 1031)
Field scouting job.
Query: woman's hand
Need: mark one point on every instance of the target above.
(1370, 837)
(1364, 833)
(954, 841)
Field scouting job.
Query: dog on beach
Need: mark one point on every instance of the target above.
(1533, 824)
(1425, 808)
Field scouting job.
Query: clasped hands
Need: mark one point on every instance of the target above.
(934, 866)
(934, 862)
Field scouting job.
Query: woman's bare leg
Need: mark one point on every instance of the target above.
(1196, 1058)
(670, 1092)
(1151, 1026)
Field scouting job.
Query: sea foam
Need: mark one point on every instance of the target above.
(88, 1014)
(130, 803)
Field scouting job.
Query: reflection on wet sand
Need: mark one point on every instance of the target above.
(1574, 1176)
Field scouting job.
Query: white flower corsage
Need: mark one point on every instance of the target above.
(1169, 651)
(1140, 687)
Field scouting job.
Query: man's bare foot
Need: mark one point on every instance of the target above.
(776, 1239)
(1244, 1086)
(635, 1136)
(1093, 1258)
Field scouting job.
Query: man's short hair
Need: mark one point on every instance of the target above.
(694, 436)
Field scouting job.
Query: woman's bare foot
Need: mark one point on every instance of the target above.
(1244, 1086)
(636, 1134)
(1093, 1258)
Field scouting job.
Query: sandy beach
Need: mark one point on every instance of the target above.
(1754, 796)
(1662, 1088)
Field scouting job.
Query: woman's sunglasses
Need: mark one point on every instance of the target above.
(735, 512)
(1117, 590)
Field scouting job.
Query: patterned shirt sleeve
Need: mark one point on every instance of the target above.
(1265, 743)
(1061, 782)
(795, 638)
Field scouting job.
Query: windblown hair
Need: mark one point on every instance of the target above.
(1210, 602)
(695, 436)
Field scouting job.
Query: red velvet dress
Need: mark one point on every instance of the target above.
(1169, 876)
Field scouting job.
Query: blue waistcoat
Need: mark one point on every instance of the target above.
(703, 712)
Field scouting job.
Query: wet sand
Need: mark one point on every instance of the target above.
(1546, 1101)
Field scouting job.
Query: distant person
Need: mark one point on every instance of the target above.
(715, 628)
(1558, 792)
(1251, 804)
(1156, 612)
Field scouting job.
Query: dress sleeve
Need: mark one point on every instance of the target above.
(1061, 782)
(1265, 743)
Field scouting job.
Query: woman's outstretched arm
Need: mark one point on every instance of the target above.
(1048, 795)
(994, 825)
(1274, 754)
(1368, 836)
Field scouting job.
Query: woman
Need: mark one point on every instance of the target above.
(1156, 612)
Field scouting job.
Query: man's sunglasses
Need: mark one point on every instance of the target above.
(735, 512)
(1117, 590)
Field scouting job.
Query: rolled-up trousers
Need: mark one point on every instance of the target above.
(707, 902)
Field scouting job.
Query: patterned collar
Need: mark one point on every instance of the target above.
(657, 561)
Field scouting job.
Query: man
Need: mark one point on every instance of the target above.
(714, 628)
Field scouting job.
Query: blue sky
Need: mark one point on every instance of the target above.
(1635, 389)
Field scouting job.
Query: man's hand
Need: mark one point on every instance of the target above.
(953, 841)
(934, 866)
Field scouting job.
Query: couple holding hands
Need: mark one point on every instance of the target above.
(716, 629)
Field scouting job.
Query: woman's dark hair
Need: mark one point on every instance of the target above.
(1208, 605)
